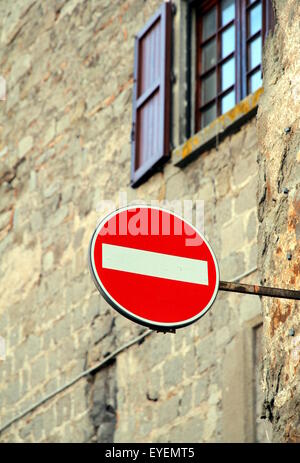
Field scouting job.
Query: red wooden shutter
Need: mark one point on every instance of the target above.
(151, 95)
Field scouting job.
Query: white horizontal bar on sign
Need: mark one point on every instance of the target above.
(154, 264)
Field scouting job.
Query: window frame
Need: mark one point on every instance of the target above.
(240, 52)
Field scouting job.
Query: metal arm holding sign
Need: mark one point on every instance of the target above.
(259, 290)
(158, 270)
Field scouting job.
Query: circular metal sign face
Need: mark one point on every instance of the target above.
(153, 267)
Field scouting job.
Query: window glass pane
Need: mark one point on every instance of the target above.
(228, 41)
(254, 53)
(209, 23)
(254, 20)
(208, 115)
(208, 88)
(228, 11)
(209, 57)
(255, 81)
(228, 102)
(228, 74)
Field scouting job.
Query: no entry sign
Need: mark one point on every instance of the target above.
(153, 267)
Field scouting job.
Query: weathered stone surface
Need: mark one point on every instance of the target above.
(48, 260)
(192, 430)
(206, 353)
(278, 133)
(5, 219)
(25, 145)
(50, 133)
(201, 390)
(173, 371)
(185, 401)
(168, 410)
(232, 266)
(247, 197)
(252, 226)
(38, 371)
(65, 146)
(247, 165)
(224, 211)
(16, 18)
(32, 346)
(159, 348)
(233, 236)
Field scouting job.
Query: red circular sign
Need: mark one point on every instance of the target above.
(153, 267)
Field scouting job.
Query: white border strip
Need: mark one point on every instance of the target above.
(154, 264)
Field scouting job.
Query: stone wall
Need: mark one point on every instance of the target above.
(278, 212)
(64, 147)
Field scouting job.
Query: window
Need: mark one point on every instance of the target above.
(230, 36)
(210, 63)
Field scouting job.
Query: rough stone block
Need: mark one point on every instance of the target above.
(190, 363)
(250, 307)
(6, 195)
(159, 346)
(223, 182)
(15, 19)
(32, 346)
(101, 327)
(50, 133)
(206, 353)
(168, 410)
(37, 427)
(186, 400)
(94, 307)
(201, 390)
(223, 336)
(25, 431)
(233, 237)
(63, 409)
(14, 337)
(176, 186)
(252, 257)
(173, 372)
(247, 197)
(252, 226)
(25, 145)
(220, 312)
(38, 371)
(4, 219)
(245, 166)
(49, 420)
(59, 216)
(232, 266)
(154, 386)
(11, 395)
(192, 430)
(48, 260)
(78, 319)
(105, 432)
(251, 138)
(36, 221)
(224, 211)
(203, 326)
(61, 328)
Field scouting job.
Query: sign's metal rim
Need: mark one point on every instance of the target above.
(122, 310)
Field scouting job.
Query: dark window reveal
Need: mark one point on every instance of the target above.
(230, 37)
(151, 95)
